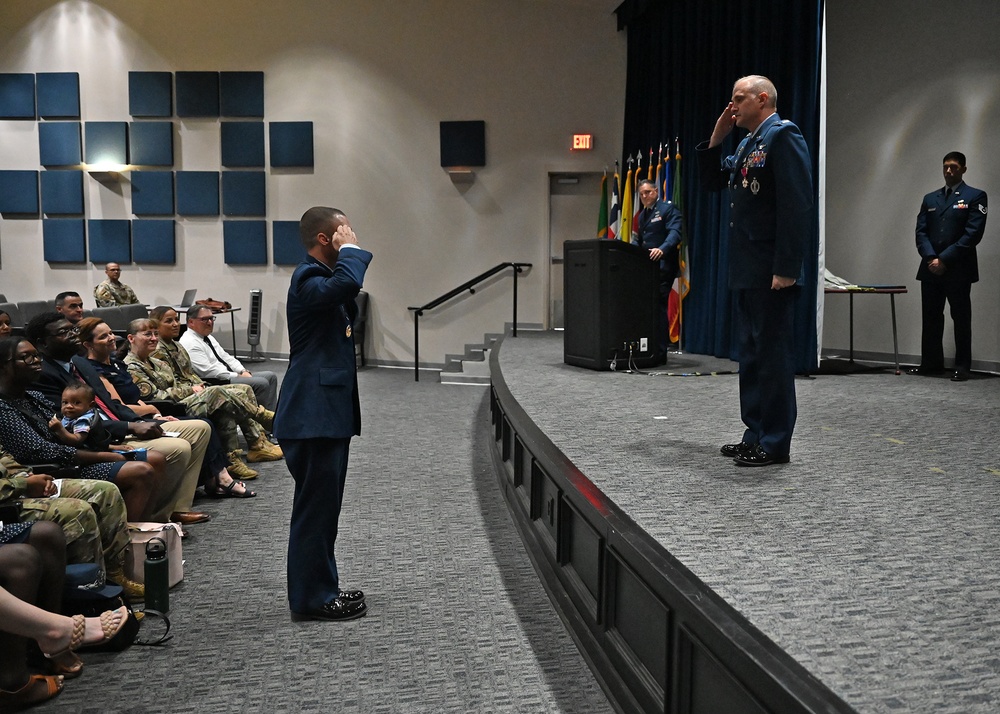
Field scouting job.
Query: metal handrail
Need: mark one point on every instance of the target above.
(470, 286)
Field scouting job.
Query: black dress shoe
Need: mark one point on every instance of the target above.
(734, 450)
(961, 375)
(352, 595)
(759, 457)
(336, 610)
(925, 371)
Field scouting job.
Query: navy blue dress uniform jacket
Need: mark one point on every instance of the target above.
(771, 200)
(950, 229)
(660, 227)
(319, 394)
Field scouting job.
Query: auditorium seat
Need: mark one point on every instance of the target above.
(113, 316)
(133, 312)
(16, 322)
(30, 308)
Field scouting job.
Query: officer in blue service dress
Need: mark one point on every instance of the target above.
(319, 410)
(949, 227)
(659, 232)
(771, 224)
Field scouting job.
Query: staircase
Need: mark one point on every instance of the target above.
(471, 367)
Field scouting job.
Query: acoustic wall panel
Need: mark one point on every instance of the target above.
(17, 96)
(151, 143)
(245, 242)
(150, 94)
(243, 193)
(197, 193)
(109, 240)
(286, 247)
(291, 143)
(63, 240)
(152, 193)
(153, 241)
(62, 193)
(105, 142)
(242, 94)
(59, 143)
(197, 94)
(19, 192)
(58, 94)
(243, 143)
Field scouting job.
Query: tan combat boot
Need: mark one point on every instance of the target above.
(133, 591)
(264, 417)
(239, 470)
(264, 450)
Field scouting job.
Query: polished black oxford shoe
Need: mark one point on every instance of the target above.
(961, 375)
(352, 595)
(337, 610)
(759, 457)
(734, 450)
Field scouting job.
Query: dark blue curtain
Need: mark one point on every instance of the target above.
(683, 58)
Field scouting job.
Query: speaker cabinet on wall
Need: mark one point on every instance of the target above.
(463, 144)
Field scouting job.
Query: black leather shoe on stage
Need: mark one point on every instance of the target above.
(352, 595)
(734, 450)
(925, 371)
(961, 375)
(336, 610)
(759, 457)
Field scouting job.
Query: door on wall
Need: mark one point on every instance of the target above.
(574, 203)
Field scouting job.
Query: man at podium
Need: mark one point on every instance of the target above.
(659, 231)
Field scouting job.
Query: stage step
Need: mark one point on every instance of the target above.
(470, 367)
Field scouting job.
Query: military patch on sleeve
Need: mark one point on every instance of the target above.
(982, 208)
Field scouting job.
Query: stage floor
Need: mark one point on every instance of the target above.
(871, 558)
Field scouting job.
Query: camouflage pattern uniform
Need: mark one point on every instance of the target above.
(107, 294)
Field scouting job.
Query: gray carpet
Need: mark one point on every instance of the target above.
(870, 558)
(458, 620)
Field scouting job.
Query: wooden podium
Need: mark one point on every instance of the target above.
(610, 298)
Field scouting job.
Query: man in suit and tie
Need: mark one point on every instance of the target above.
(659, 232)
(949, 227)
(772, 222)
(319, 410)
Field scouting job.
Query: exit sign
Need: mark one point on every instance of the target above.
(583, 142)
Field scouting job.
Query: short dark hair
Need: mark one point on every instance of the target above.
(646, 182)
(81, 387)
(37, 328)
(8, 348)
(193, 311)
(316, 220)
(956, 156)
(61, 297)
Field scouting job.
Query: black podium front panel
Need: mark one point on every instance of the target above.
(610, 293)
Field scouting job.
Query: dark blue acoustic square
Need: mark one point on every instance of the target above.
(197, 193)
(197, 94)
(243, 143)
(153, 241)
(243, 193)
(105, 142)
(62, 193)
(152, 193)
(245, 242)
(59, 143)
(17, 96)
(64, 240)
(291, 143)
(286, 246)
(150, 94)
(242, 94)
(19, 193)
(109, 240)
(151, 143)
(58, 94)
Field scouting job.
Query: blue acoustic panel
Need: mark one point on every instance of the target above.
(59, 143)
(150, 94)
(152, 193)
(153, 241)
(245, 242)
(243, 143)
(105, 142)
(242, 94)
(17, 96)
(151, 143)
(291, 143)
(63, 240)
(62, 192)
(197, 94)
(243, 193)
(58, 94)
(198, 193)
(19, 192)
(109, 240)
(286, 246)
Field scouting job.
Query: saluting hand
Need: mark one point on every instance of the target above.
(723, 125)
(344, 234)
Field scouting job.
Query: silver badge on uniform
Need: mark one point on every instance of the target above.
(754, 187)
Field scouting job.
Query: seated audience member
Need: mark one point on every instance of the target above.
(216, 366)
(70, 306)
(112, 291)
(24, 432)
(81, 425)
(228, 406)
(57, 343)
(5, 329)
(91, 514)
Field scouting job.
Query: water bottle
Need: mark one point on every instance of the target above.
(156, 570)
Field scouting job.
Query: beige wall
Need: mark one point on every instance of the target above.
(375, 78)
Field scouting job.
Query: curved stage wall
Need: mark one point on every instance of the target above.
(656, 637)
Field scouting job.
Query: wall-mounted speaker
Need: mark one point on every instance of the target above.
(253, 324)
(463, 144)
